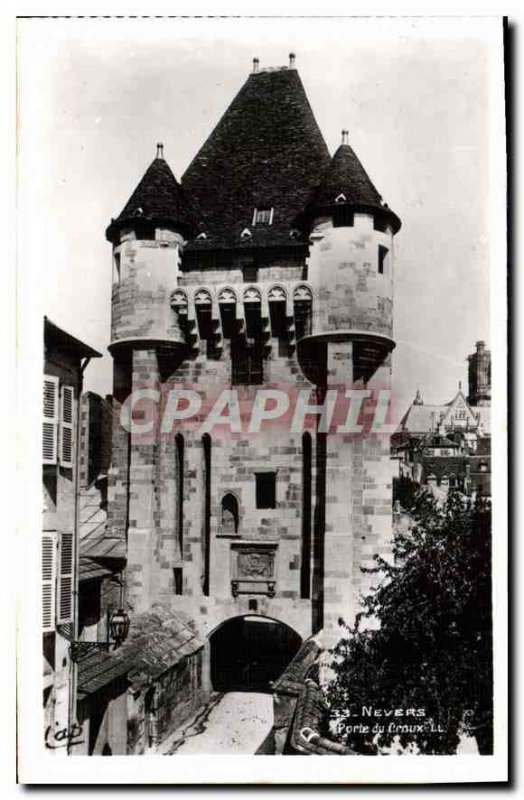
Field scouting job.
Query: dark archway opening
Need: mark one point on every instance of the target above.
(248, 653)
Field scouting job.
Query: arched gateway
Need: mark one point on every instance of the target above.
(248, 652)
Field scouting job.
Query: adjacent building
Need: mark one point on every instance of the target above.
(449, 446)
(65, 359)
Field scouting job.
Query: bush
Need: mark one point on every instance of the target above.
(432, 651)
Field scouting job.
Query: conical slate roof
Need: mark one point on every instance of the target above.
(347, 177)
(266, 152)
(157, 198)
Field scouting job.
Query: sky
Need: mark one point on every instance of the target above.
(415, 95)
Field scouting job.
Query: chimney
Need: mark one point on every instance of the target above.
(345, 137)
(292, 61)
(480, 346)
(159, 150)
(256, 63)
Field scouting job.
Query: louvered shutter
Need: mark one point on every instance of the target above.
(48, 581)
(50, 423)
(65, 579)
(66, 426)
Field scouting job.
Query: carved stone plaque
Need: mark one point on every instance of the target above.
(253, 568)
(254, 563)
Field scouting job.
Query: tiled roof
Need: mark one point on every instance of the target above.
(292, 679)
(266, 152)
(96, 548)
(419, 419)
(306, 737)
(97, 669)
(158, 197)
(90, 568)
(57, 337)
(157, 641)
(346, 176)
(161, 638)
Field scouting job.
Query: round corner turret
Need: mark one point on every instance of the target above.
(148, 239)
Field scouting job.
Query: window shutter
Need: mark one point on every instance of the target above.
(48, 581)
(50, 423)
(65, 581)
(66, 426)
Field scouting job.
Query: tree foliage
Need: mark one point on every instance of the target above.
(433, 647)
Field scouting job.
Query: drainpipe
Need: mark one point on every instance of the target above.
(76, 552)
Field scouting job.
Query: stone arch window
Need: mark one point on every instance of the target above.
(206, 537)
(204, 317)
(252, 295)
(302, 309)
(277, 294)
(179, 301)
(229, 514)
(227, 295)
(202, 297)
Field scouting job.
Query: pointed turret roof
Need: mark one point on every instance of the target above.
(267, 152)
(157, 198)
(346, 181)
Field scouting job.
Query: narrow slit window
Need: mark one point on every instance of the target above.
(382, 253)
(178, 580)
(305, 570)
(266, 484)
(206, 449)
(179, 445)
(116, 271)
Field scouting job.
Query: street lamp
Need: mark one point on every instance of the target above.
(119, 624)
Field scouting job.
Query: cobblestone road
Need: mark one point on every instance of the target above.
(235, 723)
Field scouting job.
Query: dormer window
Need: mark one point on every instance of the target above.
(341, 198)
(263, 216)
(246, 234)
(294, 234)
(201, 236)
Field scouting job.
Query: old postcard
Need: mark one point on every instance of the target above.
(265, 262)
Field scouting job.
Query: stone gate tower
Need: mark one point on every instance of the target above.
(269, 267)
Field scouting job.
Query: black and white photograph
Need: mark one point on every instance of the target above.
(262, 348)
